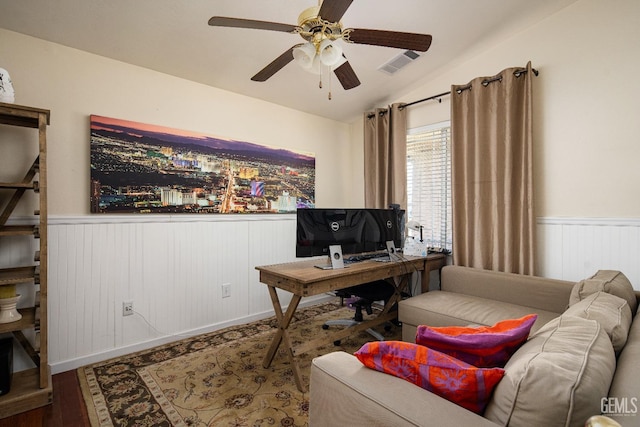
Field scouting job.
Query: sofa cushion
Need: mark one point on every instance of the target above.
(625, 387)
(557, 378)
(344, 392)
(448, 377)
(442, 308)
(521, 289)
(609, 281)
(481, 346)
(610, 311)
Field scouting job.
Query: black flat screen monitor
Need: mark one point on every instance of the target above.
(355, 230)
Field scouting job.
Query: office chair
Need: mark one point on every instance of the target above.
(366, 295)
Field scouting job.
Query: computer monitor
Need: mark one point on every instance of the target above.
(355, 230)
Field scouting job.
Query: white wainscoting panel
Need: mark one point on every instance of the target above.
(171, 267)
(575, 248)
(268, 250)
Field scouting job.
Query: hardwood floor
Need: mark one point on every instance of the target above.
(67, 409)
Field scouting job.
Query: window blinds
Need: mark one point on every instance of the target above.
(429, 182)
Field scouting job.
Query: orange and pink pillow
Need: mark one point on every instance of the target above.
(446, 376)
(483, 346)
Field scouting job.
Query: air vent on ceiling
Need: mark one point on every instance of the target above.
(398, 62)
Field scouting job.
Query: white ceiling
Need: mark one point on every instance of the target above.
(172, 36)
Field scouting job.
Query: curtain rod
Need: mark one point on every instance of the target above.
(485, 82)
(440, 95)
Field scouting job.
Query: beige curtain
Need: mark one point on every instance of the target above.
(491, 156)
(385, 157)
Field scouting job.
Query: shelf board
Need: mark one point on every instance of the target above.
(10, 276)
(27, 321)
(18, 230)
(25, 393)
(18, 185)
(20, 115)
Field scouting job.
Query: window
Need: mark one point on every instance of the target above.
(429, 182)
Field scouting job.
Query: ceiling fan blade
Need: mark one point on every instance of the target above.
(347, 76)
(274, 66)
(333, 10)
(222, 21)
(411, 41)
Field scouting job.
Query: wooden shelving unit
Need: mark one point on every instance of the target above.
(30, 388)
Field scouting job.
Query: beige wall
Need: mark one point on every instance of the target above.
(74, 84)
(587, 105)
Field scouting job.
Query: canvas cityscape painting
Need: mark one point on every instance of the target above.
(141, 168)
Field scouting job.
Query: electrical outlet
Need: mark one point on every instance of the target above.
(226, 290)
(127, 308)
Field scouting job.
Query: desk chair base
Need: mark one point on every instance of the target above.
(357, 319)
(346, 322)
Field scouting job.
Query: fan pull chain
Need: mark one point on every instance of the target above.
(329, 83)
(320, 81)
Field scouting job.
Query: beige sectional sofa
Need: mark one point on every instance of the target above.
(582, 357)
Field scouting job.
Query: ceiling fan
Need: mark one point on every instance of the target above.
(320, 27)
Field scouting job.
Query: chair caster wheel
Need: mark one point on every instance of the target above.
(336, 343)
(325, 327)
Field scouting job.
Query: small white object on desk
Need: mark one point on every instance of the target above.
(415, 247)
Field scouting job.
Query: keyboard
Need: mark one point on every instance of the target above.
(363, 257)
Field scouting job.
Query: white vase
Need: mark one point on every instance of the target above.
(6, 87)
(8, 311)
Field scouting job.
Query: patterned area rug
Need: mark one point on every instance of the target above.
(215, 379)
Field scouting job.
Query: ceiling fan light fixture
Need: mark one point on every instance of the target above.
(304, 55)
(316, 66)
(312, 56)
(330, 52)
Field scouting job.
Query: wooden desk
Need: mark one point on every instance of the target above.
(302, 279)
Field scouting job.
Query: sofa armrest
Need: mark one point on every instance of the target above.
(344, 392)
(530, 291)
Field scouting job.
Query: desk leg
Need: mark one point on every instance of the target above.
(281, 334)
(430, 265)
(425, 280)
(397, 296)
